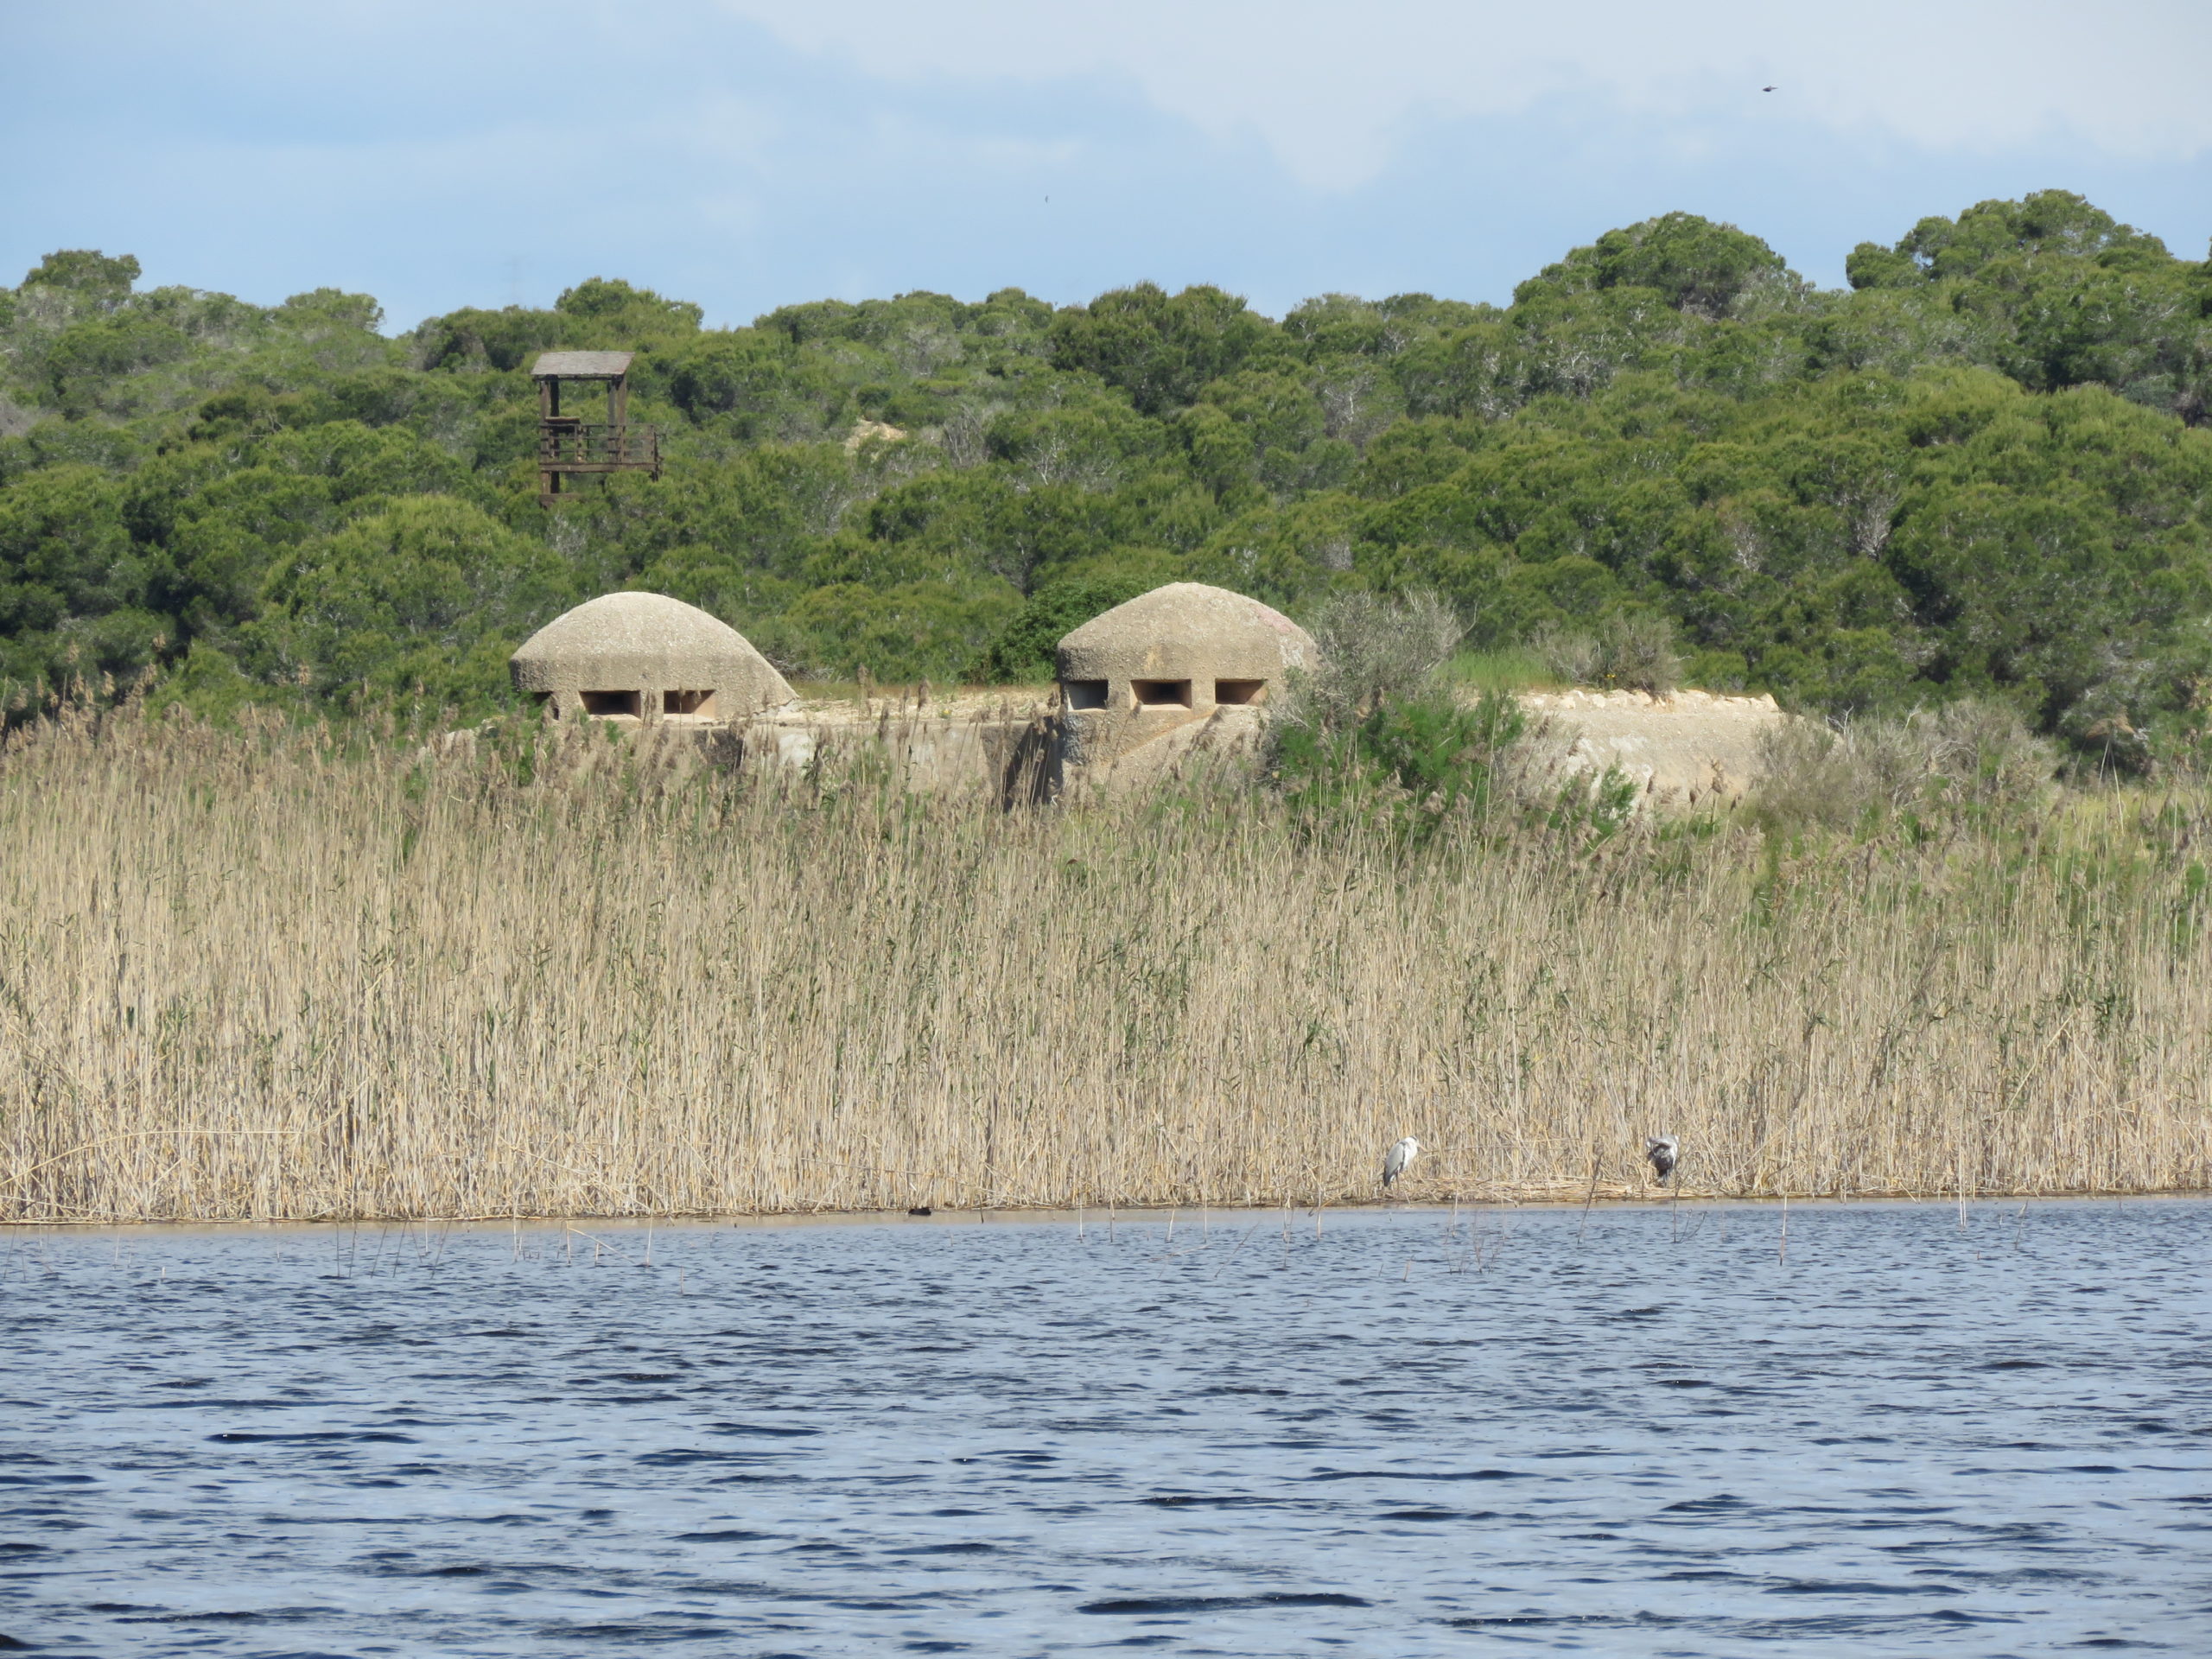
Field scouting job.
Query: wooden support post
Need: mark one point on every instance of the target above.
(548, 472)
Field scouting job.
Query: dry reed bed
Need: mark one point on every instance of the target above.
(267, 976)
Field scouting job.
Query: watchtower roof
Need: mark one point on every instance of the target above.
(580, 365)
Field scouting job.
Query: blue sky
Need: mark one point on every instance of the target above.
(750, 153)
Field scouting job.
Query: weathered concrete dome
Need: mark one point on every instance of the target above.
(1186, 643)
(1180, 666)
(643, 656)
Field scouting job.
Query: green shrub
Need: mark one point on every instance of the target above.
(1629, 651)
(1420, 758)
(1972, 758)
(1375, 651)
(1370, 728)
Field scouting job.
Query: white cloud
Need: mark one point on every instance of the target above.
(1334, 86)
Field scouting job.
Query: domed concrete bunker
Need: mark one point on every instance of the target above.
(1169, 658)
(640, 657)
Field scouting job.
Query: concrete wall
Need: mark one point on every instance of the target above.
(1013, 753)
(1692, 748)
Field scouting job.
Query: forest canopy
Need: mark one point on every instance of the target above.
(1985, 469)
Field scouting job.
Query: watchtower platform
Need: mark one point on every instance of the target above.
(569, 445)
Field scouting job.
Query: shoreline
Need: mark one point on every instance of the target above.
(1146, 1215)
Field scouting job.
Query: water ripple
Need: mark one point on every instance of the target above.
(1640, 1433)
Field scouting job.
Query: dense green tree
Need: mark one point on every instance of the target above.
(1160, 349)
(2054, 291)
(1985, 469)
(86, 274)
(914, 630)
(1708, 270)
(1024, 648)
(73, 588)
(421, 601)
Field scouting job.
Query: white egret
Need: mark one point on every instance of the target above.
(1664, 1152)
(1399, 1160)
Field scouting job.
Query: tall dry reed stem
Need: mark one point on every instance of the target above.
(279, 974)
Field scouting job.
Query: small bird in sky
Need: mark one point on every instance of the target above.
(1766, 89)
(1664, 1152)
(1399, 1160)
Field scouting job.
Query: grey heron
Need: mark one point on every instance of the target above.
(1399, 1160)
(1665, 1152)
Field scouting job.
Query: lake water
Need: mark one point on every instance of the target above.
(1641, 1432)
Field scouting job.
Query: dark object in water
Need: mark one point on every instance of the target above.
(921, 1209)
(1664, 1152)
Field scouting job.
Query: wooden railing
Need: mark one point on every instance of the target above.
(582, 447)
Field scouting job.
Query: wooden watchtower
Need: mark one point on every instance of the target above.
(568, 444)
